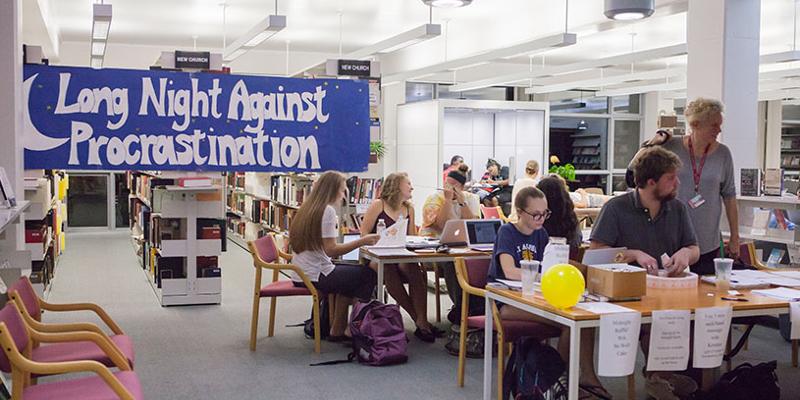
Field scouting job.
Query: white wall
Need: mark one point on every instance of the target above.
(418, 149)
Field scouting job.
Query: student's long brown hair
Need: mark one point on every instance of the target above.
(305, 233)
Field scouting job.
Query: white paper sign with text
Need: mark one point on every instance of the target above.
(619, 343)
(669, 341)
(711, 326)
(794, 316)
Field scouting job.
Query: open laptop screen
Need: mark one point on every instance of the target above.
(353, 255)
(482, 231)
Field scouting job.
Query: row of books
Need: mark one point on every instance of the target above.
(236, 202)
(790, 161)
(236, 179)
(289, 190)
(363, 190)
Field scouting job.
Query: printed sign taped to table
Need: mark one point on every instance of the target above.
(711, 327)
(619, 343)
(669, 341)
(116, 119)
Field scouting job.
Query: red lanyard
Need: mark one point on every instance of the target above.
(696, 172)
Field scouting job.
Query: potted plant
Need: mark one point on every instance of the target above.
(566, 171)
(376, 151)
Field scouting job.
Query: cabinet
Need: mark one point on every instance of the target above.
(758, 221)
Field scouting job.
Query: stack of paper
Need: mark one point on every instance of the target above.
(780, 293)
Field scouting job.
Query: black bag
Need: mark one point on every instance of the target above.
(534, 371)
(324, 321)
(747, 382)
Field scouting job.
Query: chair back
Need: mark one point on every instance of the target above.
(10, 316)
(472, 274)
(490, 212)
(264, 250)
(27, 294)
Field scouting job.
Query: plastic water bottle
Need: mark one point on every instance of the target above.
(381, 226)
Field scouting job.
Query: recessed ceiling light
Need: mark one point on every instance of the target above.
(627, 10)
(447, 3)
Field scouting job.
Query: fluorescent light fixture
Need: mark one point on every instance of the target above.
(607, 80)
(627, 10)
(530, 47)
(98, 49)
(779, 94)
(622, 59)
(778, 85)
(659, 87)
(786, 56)
(447, 3)
(101, 25)
(260, 32)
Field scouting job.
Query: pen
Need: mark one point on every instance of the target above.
(733, 299)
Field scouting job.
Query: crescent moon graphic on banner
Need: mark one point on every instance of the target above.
(33, 139)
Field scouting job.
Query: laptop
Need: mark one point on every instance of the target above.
(351, 258)
(601, 256)
(481, 233)
(454, 233)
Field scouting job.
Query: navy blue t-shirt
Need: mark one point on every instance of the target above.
(522, 247)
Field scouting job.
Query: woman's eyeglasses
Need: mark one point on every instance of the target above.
(538, 216)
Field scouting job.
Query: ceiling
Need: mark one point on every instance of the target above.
(314, 27)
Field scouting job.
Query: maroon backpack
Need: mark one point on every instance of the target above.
(379, 337)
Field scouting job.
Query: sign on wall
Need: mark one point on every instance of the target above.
(115, 119)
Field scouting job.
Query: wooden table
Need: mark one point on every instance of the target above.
(576, 319)
(418, 257)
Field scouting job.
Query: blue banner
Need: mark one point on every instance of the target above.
(115, 119)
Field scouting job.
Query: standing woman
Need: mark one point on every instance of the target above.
(707, 179)
(394, 204)
(313, 235)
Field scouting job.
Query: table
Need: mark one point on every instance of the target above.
(418, 257)
(576, 319)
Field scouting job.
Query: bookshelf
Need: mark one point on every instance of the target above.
(790, 145)
(766, 219)
(46, 191)
(178, 235)
(586, 151)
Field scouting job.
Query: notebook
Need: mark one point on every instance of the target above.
(481, 233)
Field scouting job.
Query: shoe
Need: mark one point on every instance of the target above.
(425, 336)
(594, 392)
(658, 387)
(339, 339)
(682, 385)
(438, 332)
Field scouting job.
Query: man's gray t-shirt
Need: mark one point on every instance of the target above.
(625, 222)
(716, 183)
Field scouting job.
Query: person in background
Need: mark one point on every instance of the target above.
(564, 222)
(313, 235)
(394, 204)
(708, 178)
(531, 179)
(526, 239)
(452, 202)
(493, 177)
(455, 162)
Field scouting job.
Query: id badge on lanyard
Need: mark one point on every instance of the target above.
(697, 200)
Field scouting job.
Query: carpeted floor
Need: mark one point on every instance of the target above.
(201, 352)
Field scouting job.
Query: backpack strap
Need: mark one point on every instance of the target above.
(350, 358)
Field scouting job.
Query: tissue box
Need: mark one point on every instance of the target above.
(617, 281)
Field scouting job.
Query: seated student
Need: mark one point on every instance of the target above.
(650, 221)
(531, 179)
(583, 199)
(393, 204)
(451, 203)
(492, 176)
(312, 236)
(563, 222)
(526, 239)
(455, 162)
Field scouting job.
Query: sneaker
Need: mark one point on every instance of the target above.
(669, 386)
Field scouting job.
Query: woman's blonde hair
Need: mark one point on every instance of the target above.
(532, 167)
(701, 109)
(305, 233)
(390, 191)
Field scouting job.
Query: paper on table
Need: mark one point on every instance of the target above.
(554, 253)
(787, 274)
(513, 285)
(460, 250)
(395, 235)
(780, 293)
(619, 343)
(390, 251)
(669, 341)
(794, 316)
(602, 307)
(711, 327)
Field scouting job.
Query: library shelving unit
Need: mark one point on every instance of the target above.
(586, 151)
(12, 259)
(44, 224)
(790, 145)
(177, 231)
(751, 227)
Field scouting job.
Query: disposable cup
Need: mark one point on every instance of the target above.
(722, 272)
(530, 275)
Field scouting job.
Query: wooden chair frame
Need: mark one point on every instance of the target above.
(500, 212)
(22, 367)
(276, 268)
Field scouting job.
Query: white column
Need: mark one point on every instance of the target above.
(774, 122)
(654, 104)
(393, 95)
(11, 106)
(723, 40)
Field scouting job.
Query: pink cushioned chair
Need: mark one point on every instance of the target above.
(15, 338)
(25, 299)
(493, 213)
(266, 255)
(472, 277)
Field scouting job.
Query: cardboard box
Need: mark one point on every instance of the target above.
(617, 281)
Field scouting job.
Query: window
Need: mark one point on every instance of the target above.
(626, 141)
(626, 104)
(580, 104)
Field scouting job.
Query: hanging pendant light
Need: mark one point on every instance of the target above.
(626, 10)
(447, 3)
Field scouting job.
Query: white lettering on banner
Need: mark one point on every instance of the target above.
(90, 100)
(223, 150)
(619, 339)
(669, 341)
(711, 326)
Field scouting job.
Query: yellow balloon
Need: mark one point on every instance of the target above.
(563, 285)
